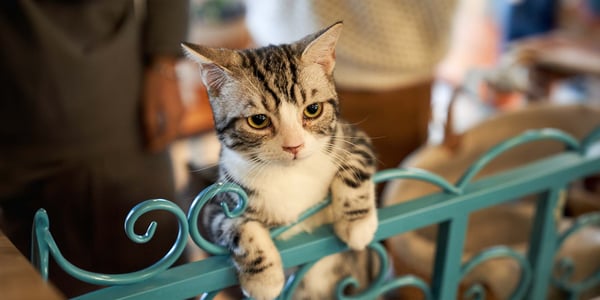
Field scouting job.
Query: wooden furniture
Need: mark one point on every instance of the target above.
(556, 56)
(18, 279)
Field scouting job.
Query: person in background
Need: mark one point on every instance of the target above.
(385, 60)
(89, 103)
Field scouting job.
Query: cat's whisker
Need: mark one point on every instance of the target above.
(255, 168)
(347, 137)
(343, 139)
(204, 167)
(358, 122)
(336, 158)
(362, 137)
(341, 149)
(340, 158)
(378, 137)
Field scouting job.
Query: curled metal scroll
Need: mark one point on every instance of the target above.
(377, 287)
(294, 280)
(381, 284)
(413, 173)
(45, 244)
(527, 137)
(565, 267)
(476, 291)
(206, 195)
(589, 140)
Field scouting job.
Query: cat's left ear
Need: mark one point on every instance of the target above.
(321, 47)
(212, 64)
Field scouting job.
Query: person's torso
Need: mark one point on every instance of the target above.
(71, 78)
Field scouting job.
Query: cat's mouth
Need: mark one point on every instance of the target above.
(294, 158)
(291, 158)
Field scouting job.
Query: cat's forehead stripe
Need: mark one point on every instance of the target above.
(302, 94)
(291, 58)
(275, 67)
(254, 58)
(276, 70)
(286, 79)
(250, 59)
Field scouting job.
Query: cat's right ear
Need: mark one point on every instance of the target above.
(320, 47)
(212, 71)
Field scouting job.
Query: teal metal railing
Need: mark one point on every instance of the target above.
(449, 209)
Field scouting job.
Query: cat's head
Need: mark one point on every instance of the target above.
(273, 104)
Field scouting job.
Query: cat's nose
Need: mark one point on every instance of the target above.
(293, 149)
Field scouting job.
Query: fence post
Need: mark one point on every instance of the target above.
(542, 242)
(448, 257)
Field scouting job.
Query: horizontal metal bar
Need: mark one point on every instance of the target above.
(531, 179)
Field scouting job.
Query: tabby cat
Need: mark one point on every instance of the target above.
(276, 115)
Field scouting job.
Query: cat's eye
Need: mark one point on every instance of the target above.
(314, 110)
(259, 121)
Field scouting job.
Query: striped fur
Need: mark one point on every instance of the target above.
(303, 152)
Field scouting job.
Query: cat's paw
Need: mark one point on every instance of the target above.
(260, 269)
(266, 285)
(357, 233)
(355, 213)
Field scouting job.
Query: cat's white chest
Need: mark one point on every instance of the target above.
(285, 192)
(292, 192)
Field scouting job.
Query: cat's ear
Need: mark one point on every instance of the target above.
(320, 47)
(212, 64)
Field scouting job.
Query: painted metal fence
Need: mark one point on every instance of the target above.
(449, 209)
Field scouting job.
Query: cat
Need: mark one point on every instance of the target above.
(276, 115)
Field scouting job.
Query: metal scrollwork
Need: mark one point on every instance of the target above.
(381, 284)
(294, 280)
(413, 173)
(45, 244)
(477, 291)
(206, 195)
(565, 266)
(527, 137)
(591, 138)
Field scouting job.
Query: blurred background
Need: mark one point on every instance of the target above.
(435, 83)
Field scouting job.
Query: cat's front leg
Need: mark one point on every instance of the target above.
(258, 261)
(355, 209)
